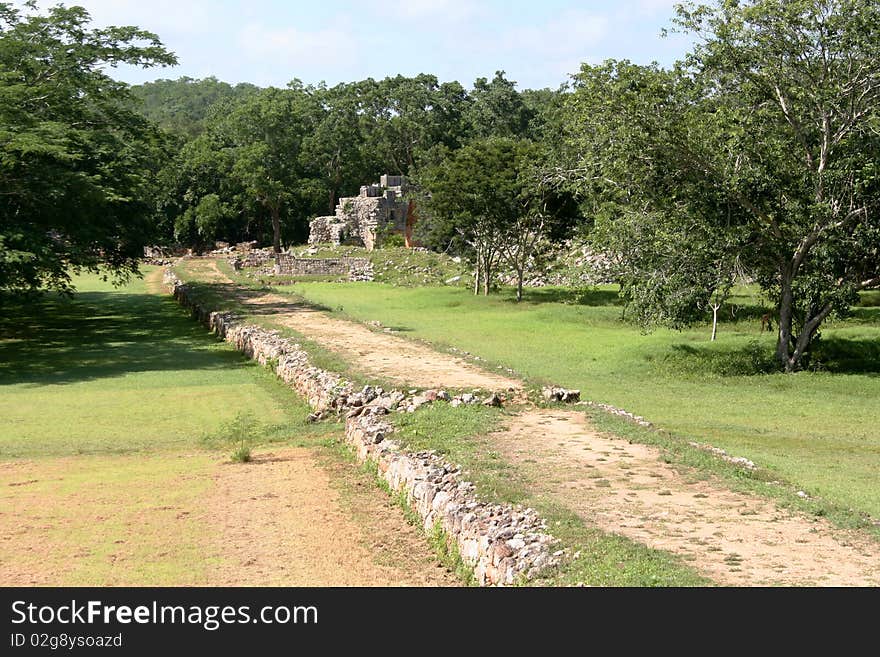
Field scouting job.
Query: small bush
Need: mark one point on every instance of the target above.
(240, 433)
(394, 240)
(241, 454)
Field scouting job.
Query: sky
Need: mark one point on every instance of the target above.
(270, 42)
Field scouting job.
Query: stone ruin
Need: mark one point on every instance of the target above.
(364, 220)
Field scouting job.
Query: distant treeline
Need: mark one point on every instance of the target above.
(239, 157)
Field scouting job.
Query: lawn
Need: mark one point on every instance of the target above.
(815, 429)
(119, 371)
(106, 402)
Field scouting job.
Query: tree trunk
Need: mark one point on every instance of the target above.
(332, 201)
(715, 308)
(520, 274)
(477, 274)
(276, 236)
(487, 274)
(783, 343)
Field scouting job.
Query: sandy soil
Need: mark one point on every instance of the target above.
(389, 357)
(285, 519)
(279, 521)
(734, 539)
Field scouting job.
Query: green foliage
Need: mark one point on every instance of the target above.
(481, 194)
(238, 434)
(241, 454)
(497, 109)
(182, 106)
(757, 154)
(335, 140)
(393, 241)
(78, 165)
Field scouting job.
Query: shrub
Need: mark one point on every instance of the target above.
(241, 454)
(240, 433)
(394, 240)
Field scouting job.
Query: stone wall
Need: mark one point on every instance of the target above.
(292, 266)
(504, 544)
(356, 269)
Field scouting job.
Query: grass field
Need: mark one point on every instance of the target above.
(815, 429)
(106, 400)
(116, 371)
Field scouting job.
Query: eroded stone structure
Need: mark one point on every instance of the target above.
(364, 220)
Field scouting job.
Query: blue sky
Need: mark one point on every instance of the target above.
(270, 42)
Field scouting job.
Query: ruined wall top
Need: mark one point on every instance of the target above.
(392, 181)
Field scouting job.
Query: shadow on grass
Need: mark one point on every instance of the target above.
(834, 355)
(848, 355)
(689, 360)
(577, 296)
(866, 315)
(53, 339)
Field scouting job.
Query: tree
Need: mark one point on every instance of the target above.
(335, 146)
(181, 106)
(766, 137)
(76, 163)
(497, 109)
(481, 192)
(404, 119)
(251, 156)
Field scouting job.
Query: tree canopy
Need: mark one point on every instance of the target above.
(758, 153)
(76, 162)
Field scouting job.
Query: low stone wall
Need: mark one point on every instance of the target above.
(291, 266)
(255, 258)
(357, 269)
(504, 544)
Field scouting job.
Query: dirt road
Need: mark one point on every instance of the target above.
(732, 538)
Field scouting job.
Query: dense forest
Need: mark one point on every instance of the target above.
(239, 157)
(755, 157)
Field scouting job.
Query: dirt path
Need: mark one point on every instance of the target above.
(733, 538)
(280, 521)
(386, 356)
(290, 518)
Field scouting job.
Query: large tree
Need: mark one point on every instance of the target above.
(766, 140)
(485, 193)
(248, 167)
(497, 109)
(76, 162)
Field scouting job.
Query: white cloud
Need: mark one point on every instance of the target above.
(160, 16)
(444, 10)
(321, 49)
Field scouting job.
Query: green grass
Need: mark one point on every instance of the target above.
(602, 559)
(119, 370)
(397, 266)
(815, 429)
